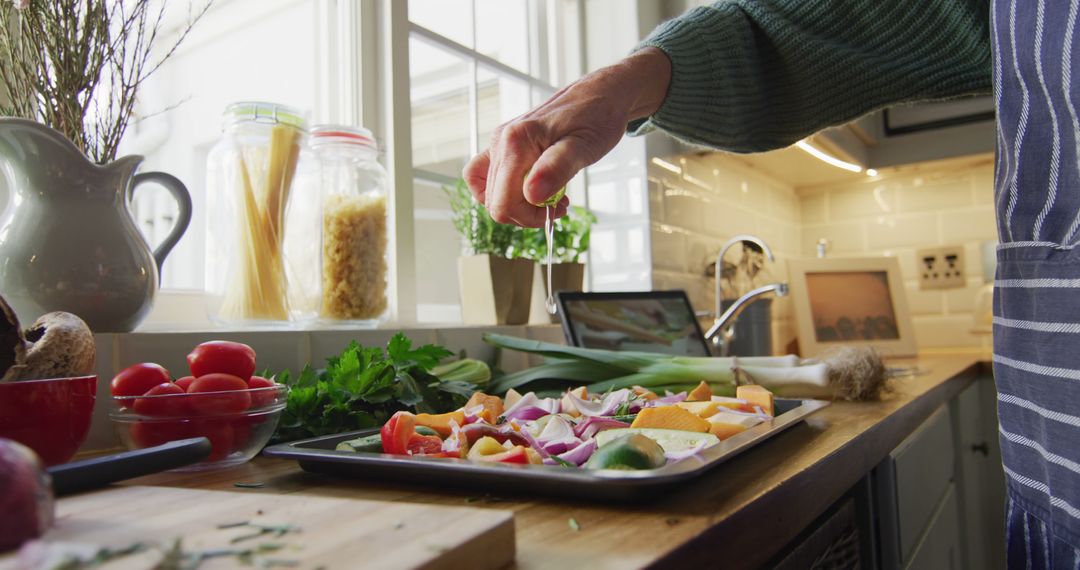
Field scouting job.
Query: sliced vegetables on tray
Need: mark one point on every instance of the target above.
(629, 428)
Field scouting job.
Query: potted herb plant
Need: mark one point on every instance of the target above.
(496, 280)
(570, 240)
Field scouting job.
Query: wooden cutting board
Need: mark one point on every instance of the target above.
(331, 533)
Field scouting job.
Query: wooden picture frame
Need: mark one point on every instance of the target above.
(850, 301)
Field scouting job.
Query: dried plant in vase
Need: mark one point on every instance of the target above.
(77, 65)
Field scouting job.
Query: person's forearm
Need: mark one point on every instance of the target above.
(650, 73)
(753, 75)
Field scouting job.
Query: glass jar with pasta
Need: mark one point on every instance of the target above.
(251, 174)
(354, 225)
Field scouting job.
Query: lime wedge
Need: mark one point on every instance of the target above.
(554, 199)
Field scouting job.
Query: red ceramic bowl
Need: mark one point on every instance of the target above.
(52, 416)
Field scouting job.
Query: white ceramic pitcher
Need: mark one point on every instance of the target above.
(68, 241)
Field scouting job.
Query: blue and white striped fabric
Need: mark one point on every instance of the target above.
(1037, 290)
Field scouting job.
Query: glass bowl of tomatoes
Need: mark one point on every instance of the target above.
(222, 400)
(238, 422)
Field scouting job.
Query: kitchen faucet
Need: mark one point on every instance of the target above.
(723, 331)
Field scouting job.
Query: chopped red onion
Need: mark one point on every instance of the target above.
(591, 426)
(559, 446)
(472, 415)
(666, 400)
(557, 428)
(530, 400)
(580, 454)
(534, 444)
(604, 407)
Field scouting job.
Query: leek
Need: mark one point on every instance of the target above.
(467, 370)
(603, 370)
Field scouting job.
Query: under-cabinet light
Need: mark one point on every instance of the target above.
(666, 165)
(827, 158)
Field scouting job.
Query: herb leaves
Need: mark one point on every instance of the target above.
(363, 386)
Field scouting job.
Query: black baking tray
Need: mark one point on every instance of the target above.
(319, 456)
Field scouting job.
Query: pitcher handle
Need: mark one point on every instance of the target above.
(183, 201)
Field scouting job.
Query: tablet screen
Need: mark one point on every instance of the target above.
(649, 321)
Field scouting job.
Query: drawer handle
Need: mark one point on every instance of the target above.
(982, 448)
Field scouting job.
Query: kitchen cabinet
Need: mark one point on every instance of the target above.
(938, 497)
(981, 488)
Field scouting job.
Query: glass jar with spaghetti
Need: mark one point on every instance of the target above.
(250, 180)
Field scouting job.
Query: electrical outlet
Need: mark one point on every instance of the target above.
(941, 267)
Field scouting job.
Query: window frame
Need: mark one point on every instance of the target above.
(370, 41)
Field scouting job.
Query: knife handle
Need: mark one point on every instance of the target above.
(96, 472)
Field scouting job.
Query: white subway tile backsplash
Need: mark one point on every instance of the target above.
(969, 224)
(962, 300)
(669, 250)
(909, 231)
(842, 236)
(812, 207)
(942, 194)
(684, 207)
(862, 201)
(924, 302)
(983, 179)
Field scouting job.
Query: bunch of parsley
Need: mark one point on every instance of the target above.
(364, 386)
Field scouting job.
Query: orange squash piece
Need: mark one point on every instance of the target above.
(493, 406)
(644, 393)
(757, 396)
(700, 409)
(441, 422)
(700, 394)
(724, 431)
(669, 417)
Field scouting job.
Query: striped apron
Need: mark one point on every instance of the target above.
(1037, 289)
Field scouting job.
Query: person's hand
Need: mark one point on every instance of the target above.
(531, 157)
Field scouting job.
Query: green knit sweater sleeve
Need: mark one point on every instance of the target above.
(755, 75)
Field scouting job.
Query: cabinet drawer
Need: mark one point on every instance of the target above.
(940, 546)
(912, 482)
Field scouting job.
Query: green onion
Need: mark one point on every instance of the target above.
(468, 370)
(603, 370)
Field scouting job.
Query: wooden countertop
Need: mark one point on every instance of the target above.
(745, 510)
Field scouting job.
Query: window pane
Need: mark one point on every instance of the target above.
(502, 31)
(181, 106)
(438, 248)
(440, 109)
(499, 99)
(449, 18)
(564, 41)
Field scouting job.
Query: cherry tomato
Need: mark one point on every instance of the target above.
(138, 379)
(219, 432)
(261, 398)
(396, 433)
(185, 382)
(222, 357)
(153, 433)
(163, 406)
(233, 399)
(424, 444)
